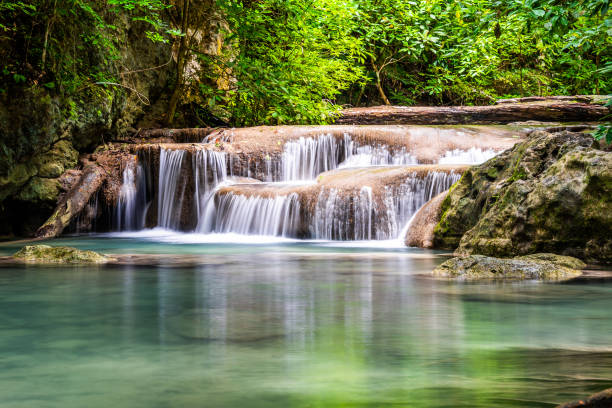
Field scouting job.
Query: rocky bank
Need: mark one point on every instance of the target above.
(550, 193)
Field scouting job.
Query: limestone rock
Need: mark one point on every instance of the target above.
(49, 254)
(421, 231)
(551, 193)
(484, 267)
(40, 190)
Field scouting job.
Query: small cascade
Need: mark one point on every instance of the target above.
(179, 187)
(307, 157)
(254, 215)
(342, 215)
(471, 156)
(209, 168)
(129, 211)
(362, 156)
(170, 188)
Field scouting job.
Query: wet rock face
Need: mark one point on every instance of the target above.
(551, 193)
(49, 254)
(421, 231)
(472, 267)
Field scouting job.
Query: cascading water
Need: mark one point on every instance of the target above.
(307, 157)
(362, 156)
(129, 214)
(361, 213)
(209, 168)
(471, 156)
(278, 216)
(170, 191)
(356, 216)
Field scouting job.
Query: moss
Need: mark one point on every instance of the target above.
(492, 173)
(540, 266)
(518, 174)
(49, 254)
(40, 190)
(567, 261)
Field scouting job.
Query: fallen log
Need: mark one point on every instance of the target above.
(73, 202)
(540, 110)
(187, 135)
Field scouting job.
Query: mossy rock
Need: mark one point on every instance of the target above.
(49, 254)
(568, 261)
(550, 193)
(538, 266)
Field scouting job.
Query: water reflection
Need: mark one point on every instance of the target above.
(296, 330)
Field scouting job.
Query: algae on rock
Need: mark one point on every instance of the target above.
(538, 266)
(60, 254)
(550, 193)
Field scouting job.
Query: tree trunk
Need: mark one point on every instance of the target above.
(542, 109)
(379, 84)
(73, 203)
(180, 66)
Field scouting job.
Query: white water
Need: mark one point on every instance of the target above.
(307, 157)
(210, 169)
(472, 156)
(170, 189)
(358, 217)
(129, 214)
(277, 216)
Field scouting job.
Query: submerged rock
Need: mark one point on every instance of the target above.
(49, 254)
(538, 266)
(551, 193)
(602, 399)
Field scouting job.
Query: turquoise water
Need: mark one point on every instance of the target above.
(291, 324)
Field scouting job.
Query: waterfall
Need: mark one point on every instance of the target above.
(186, 196)
(356, 215)
(362, 156)
(129, 214)
(363, 207)
(278, 216)
(210, 168)
(170, 191)
(307, 157)
(472, 156)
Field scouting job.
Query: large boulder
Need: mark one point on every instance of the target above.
(550, 193)
(547, 267)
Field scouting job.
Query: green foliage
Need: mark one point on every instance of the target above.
(473, 51)
(603, 133)
(69, 43)
(294, 61)
(290, 59)
(53, 54)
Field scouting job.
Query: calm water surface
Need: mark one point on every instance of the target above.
(290, 324)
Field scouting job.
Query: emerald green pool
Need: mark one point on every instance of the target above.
(291, 324)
